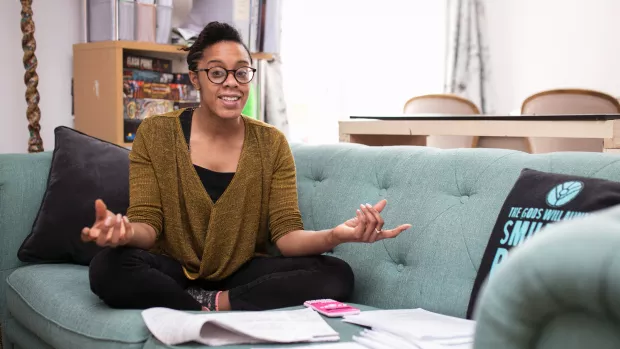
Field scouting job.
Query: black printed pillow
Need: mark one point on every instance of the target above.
(537, 199)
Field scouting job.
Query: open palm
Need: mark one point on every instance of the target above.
(367, 226)
(109, 229)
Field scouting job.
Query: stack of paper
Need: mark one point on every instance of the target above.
(413, 328)
(343, 345)
(174, 327)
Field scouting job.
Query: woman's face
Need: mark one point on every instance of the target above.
(224, 99)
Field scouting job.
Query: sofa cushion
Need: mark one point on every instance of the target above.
(83, 169)
(559, 290)
(536, 200)
(451, 197)
(21, 337)
(54, 301)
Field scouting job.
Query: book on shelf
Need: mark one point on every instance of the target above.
(150, 89)
(133, 61)
(137, 109)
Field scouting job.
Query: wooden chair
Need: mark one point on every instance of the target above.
(569, 101)
(444, 104)
(456, 105)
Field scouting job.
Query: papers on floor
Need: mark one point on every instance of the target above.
(174, 327)
(413, 328)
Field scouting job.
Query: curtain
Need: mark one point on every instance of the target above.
(467, 61)
(275, 103)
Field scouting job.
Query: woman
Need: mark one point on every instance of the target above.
(211, 193)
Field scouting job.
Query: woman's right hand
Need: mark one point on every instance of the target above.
(109, 229)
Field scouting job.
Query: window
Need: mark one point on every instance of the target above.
(347, 57)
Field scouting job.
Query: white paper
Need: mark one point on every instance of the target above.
(385, 340)
(415, 323)
(187, 33)
(343, 345)
(174, 327)
(377, 339)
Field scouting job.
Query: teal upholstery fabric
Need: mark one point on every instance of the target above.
(23, 179)
(54, 301)
(559, 290)
(22, 337)
(451, 197)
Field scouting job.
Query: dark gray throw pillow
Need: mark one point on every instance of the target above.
(537, 199)
(83, 169)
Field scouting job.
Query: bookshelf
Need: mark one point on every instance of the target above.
(98, 83)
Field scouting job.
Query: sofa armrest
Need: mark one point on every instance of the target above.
(561, 289)
(23, 180)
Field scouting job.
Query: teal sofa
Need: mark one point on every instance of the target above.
(552, 293)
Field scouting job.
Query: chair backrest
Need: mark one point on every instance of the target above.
(570, 101)
(440, 104)
(443, 104)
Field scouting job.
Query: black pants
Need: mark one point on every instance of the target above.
(137, 279)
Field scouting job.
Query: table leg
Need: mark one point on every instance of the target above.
(384, 140)
(612, 145)
(611, 150)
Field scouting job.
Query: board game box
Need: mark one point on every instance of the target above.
(153, 90)
(148, 76)
(137, 109)
(132, 61)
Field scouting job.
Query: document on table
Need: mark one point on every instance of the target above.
(343, 345)
(413, 328)
(174, 327)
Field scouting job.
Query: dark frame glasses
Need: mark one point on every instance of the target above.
(220, 80)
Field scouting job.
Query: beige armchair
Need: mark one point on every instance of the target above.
(444, 104)
(568, 101)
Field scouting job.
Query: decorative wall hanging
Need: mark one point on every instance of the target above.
(31, 79)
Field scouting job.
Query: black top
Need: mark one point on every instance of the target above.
(214, 182)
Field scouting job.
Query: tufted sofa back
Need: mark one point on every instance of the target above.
(451, 197)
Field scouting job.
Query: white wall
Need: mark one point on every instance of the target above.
(543, 44)
(57, 28)
(58, 25)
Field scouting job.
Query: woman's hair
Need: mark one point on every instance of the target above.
(212, 33)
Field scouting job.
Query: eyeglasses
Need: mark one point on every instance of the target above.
(218, 75)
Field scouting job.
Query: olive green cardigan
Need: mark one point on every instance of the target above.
(212, 241)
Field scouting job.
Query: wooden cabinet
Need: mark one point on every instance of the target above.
(98, 83)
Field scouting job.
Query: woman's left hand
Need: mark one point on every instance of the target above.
(366, 226)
